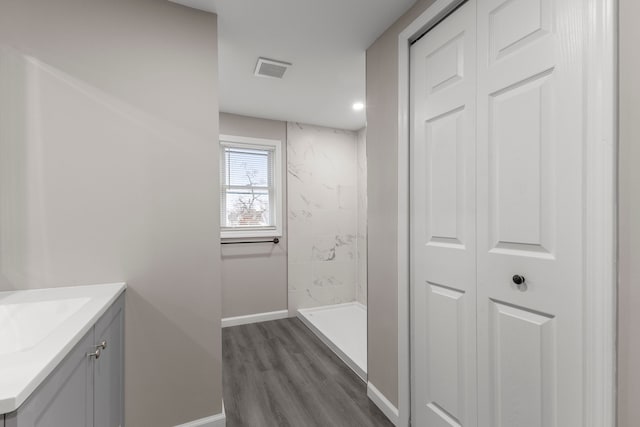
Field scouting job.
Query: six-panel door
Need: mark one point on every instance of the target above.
(443, 241)
(530, 209)
(497, 203)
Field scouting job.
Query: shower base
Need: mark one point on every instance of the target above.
(343, 328)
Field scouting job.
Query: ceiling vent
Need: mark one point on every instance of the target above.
(271, 68)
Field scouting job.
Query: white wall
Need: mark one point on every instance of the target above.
(109, 173)
(323, 215)
(254, 277)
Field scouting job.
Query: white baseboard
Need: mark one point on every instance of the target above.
(383, 403)
(218, 420)
(254, 318)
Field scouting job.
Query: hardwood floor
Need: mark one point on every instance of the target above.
(279, 374)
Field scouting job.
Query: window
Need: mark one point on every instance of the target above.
(251, 187)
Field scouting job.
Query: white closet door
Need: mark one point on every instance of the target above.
(443, 216)
(530, 206)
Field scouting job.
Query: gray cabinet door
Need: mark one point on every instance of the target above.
(109, 372)
(65, 398)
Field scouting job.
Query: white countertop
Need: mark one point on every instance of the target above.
(38, 328)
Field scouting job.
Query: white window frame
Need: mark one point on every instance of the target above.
(275, 198)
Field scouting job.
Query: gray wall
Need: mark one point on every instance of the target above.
(114, 177)
(254, 277)
(629, 218)
(382, 184)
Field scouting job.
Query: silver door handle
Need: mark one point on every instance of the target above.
(102, 345)
(95, 354)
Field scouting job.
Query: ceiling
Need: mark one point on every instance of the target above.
(324, 39)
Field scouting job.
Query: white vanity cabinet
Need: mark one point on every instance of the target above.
(86, 388)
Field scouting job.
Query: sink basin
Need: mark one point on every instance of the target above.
(24, 325)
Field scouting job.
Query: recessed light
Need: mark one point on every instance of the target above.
(358, 106)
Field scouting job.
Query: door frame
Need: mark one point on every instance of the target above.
(599, 218)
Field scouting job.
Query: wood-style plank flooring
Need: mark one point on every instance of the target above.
(279, 374)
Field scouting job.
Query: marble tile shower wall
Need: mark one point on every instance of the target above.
(322, 201)
(361, 286)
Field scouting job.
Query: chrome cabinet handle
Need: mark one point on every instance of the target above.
(99, 349)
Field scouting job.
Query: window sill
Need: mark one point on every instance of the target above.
(250, 234)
